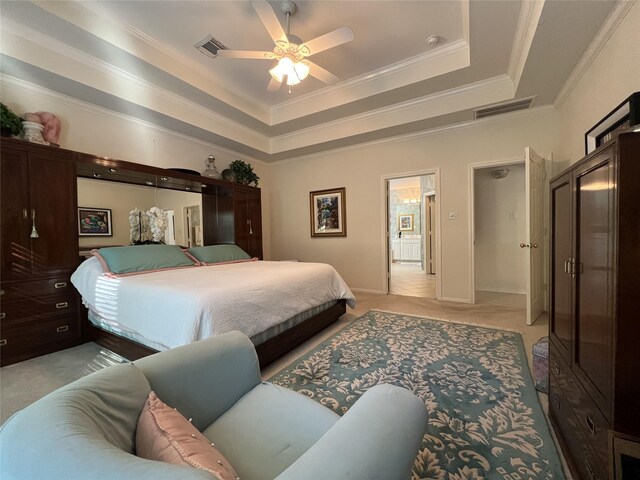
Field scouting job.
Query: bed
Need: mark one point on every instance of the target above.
(277, 304)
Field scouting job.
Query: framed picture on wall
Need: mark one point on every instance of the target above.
(328, 213)
(94, 222)
(405, 222)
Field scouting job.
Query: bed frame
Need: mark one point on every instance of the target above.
(267, 351)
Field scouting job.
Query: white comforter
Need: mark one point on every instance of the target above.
(176, 307)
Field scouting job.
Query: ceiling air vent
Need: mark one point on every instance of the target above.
(505, 107)
(210, 46)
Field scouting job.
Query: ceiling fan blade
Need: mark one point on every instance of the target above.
(246, 54)
(274, 85)
(270, 21)
(322, 74)
(327, 41)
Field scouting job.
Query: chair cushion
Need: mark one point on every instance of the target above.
(163, 434)
(268, 429)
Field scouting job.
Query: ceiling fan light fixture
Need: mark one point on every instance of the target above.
(295, 72)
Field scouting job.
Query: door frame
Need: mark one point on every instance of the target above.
(386, 240)
(472, 214)
(425, 221)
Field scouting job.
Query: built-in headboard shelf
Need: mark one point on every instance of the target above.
(104, 168)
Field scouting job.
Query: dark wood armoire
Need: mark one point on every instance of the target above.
(39, 250)
(595, 310)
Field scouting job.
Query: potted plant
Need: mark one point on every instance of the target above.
(244, 172)
(10, 123)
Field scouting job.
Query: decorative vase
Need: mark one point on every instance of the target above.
(212, 171)
(33, 132)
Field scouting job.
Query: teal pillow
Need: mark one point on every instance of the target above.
(219, 253)
(140, 258)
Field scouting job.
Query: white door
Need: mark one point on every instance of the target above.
(534, 243)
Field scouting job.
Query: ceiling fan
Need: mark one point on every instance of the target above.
(290, 51)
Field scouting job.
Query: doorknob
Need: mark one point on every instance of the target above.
(525, 245)
(534, 245)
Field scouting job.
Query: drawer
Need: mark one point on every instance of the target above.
(595, 429)
(38, 307)
(19, 290)
(20, 338)
(563, 414)
(583, 426)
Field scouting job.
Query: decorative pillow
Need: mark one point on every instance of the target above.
(163, 434)
(141, 258)
(219, 253)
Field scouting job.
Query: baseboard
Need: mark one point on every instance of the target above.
(366, 290)
(455, 300)
(501, 290)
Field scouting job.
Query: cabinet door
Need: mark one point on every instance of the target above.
(52, 190)
(254, 215)
(15, 225)
(561, 298)
(415, 251)
(248, 221)
(595, 215)
(218, 217)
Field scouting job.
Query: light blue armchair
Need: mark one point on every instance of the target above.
(87, 429)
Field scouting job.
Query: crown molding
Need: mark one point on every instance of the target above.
(601, 38)
(450, 57)
(57, 97)
(35, 48)
(124, 36)
(424, 133)
(131, 40)
(528, 20)
(492, 90)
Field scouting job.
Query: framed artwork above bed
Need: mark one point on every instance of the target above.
(328, 213)
(94, 222)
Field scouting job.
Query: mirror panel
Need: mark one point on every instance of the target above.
(184, 208)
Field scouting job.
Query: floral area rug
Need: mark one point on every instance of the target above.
(485, 420)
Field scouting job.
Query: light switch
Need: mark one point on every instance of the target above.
(453, 215)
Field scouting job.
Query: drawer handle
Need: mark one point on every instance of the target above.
(3, 342)
(60, 285)
(63, 328)
(2, 292)
(3, 316)
(556, 368)
(590, 425)
(62, 305)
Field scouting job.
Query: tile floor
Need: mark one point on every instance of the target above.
(407, 278)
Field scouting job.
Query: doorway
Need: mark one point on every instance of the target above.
(411, 227)
(507, 233)
(499, 227)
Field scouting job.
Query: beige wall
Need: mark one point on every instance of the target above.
(360, 256)
(612, 77)
(91, 129)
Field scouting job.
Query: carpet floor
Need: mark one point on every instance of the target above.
(485, 420)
